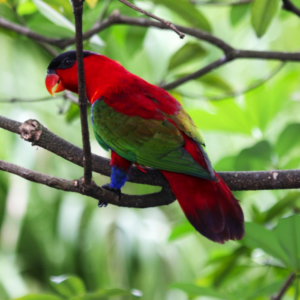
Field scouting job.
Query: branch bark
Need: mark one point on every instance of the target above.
(41, 136)
(163, 197)
(87, 159)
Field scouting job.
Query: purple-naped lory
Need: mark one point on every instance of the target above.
(143, 124)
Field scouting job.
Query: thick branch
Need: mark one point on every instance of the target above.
(167, 23)
(290, 6)
(237, 181)
(87, 159)
(152, 200)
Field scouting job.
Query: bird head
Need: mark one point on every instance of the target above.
(62, 72)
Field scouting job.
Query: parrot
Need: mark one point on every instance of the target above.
(143, 125)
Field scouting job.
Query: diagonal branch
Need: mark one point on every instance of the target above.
(284, 288)
(87, 159)
(167, 23)
(220, 62)
(290, 6)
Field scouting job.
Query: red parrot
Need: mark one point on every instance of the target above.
(141, 123)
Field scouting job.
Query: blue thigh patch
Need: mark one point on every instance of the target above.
(118, 177)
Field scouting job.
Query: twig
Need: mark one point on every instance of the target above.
(290, 6)
(87, 160)
(167, 23)
(216, 3)
(67, 95)
(284, 288)
(14, 100)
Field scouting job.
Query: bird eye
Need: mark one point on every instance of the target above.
(68, 62)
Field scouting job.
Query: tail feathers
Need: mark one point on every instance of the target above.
(209, 206)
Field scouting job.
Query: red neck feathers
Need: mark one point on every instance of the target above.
(120, 89)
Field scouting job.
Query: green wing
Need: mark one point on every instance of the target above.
(148, 142)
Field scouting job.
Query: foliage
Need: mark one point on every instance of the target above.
(123, 253)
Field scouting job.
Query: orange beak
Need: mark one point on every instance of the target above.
(53, 84)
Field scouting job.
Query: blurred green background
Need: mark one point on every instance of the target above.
(119, 253)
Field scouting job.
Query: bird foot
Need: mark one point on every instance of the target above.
(115, 191)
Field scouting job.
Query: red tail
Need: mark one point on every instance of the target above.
(209, 206)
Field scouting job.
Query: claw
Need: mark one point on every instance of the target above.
(102, 203)
(115, 191)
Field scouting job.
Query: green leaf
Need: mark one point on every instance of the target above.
(188, 12)
(255, 157)
(194, 290)
(263, 12)
(73, 113)
(287, 233)
(228, 264)
(237, 13)
(105, 293)
(68, 286)
(257, 236)
(226, 164)
(135, 38)
(53, 15)
(39, 297)
(228, 116)
(266, 290)
(280, 207)
(288, 139)
(190, 51)
(26, 8)
(215, 81)
(181, 230)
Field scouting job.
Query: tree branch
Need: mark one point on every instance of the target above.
(144, 201)
(116, 18)
(199, 73)
(284, 288)
(167, 23)
(290, 6)
(237, 181)
(87, 159)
